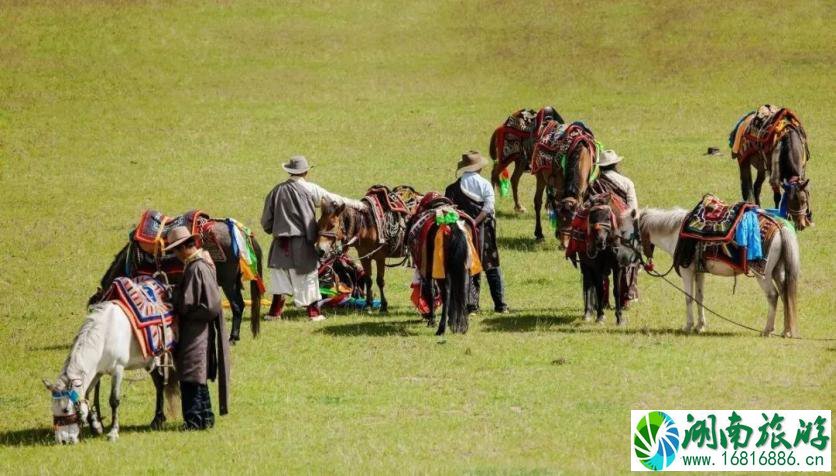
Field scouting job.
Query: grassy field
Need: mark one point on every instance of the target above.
(107, 108)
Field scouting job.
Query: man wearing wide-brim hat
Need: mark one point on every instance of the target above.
(290, 217)
(474, 195)
(202, 351)
(612, 179)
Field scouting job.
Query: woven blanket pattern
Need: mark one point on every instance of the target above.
(145, 301)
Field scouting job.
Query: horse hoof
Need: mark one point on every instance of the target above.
(587, 317)
(686, 329)
(766, 333)
(519, 209)
(539, 239)
(431, 323)
(600, 320)
(97, 428)
(113, 437)
(157, 423)
(622, 322)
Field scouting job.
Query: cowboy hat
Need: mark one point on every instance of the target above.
(609, 157)
(176, 236)
(471, 161)
(297, 165)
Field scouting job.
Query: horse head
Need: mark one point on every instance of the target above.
(603, 223)
(565, 210)
(68, 410)
(797, 192)
(331, 232)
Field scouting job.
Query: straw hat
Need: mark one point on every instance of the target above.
(609, 157)
(176, 236)
(297, 165)
(472, 161)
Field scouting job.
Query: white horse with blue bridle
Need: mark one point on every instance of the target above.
(105, 345)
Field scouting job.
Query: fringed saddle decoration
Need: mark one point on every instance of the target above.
(513, 141)
(558, 142)
(580, 234)
(145, 301)
(760, 131)
(390, 214)
(737, 235)
(426, 237)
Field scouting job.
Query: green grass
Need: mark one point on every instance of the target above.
(107, 108)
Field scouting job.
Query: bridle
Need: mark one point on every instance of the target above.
(77, 401)
(793, 185)
(609, 226)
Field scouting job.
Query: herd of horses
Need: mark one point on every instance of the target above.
(106, 345)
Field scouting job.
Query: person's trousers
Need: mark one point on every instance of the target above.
(496, 285)
(197, 406)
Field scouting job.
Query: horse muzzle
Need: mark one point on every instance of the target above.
(67, 429)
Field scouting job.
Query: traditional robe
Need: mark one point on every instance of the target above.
(202, 350)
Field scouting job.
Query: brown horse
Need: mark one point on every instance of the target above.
(773, 141)
(569, 186)
(341, 227)
(518, 156)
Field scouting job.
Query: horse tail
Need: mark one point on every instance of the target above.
(492, 146)
(255, 291)
(172, 394)
(456, 257)
(118, 267)
(792, 270)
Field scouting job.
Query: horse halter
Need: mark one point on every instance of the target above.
(795, 185)
(75, 399)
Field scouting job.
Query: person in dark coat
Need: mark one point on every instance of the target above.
(474, 195)
(202, 351)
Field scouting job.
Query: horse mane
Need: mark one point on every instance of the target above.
(572, 180)
(656, 220)
(88, 340)
(114, 271)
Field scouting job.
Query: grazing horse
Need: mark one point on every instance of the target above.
(780, 277)
(564, 159)
(440, 240)
(514, 145)
(773, 141)
(105, 344)
(126, 263)
(341, 227)
(598, 231)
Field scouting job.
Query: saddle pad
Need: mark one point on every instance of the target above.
(559, 141)
(409, 196)
(153, 226)
(389, 213)
(759, 131)
(145, 301)
(713, 220)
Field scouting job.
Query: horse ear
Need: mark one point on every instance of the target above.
(48, 385)
(340, 208)
(803, 184)
(633, 214)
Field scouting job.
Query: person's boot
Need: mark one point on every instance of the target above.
(314, 314)
(276, 308)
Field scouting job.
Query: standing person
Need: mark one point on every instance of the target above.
(474, 195)
(290, 217)
(202, 350)
(613, 180)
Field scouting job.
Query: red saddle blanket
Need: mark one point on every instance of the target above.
(145, 301)
(512, 136)
(559, 141)
(759, 131)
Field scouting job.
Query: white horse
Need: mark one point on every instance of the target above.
(783, 267)
(105, 344)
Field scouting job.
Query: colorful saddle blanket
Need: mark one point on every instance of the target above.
(558, 142)
(579, 234)
(390, 213)
(426, 237)
(713, 220)
(145, 301)
(759, 131)
(513, 136)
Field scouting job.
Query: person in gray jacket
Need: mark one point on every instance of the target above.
(290, 217)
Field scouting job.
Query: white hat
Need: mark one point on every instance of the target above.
(297, 165)
(609, 157)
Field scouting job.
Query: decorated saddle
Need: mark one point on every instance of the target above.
(759, 131)
(580, 234)
(512, 135)
(557, 142)
(145, 301)
(147, 241)
(390, 211)
(426, 233)
(737, 235)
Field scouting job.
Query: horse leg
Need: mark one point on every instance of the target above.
(588, 293)
(746, 181)
(759, 178)
(94, 419)
(159, 413)
(687, 285)
(519, 169)
(699, 280)
(616, 286)
(538, 205)
(381, 282)
(115, 395)
(234, 294)
(770, 289)
(367, 269)
(427, 295)
(442, 322)
(600, 294)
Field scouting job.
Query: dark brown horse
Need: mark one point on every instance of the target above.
(130, 260)
(519, 156)
(773, 141)
(341, 227)
(569, 186)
